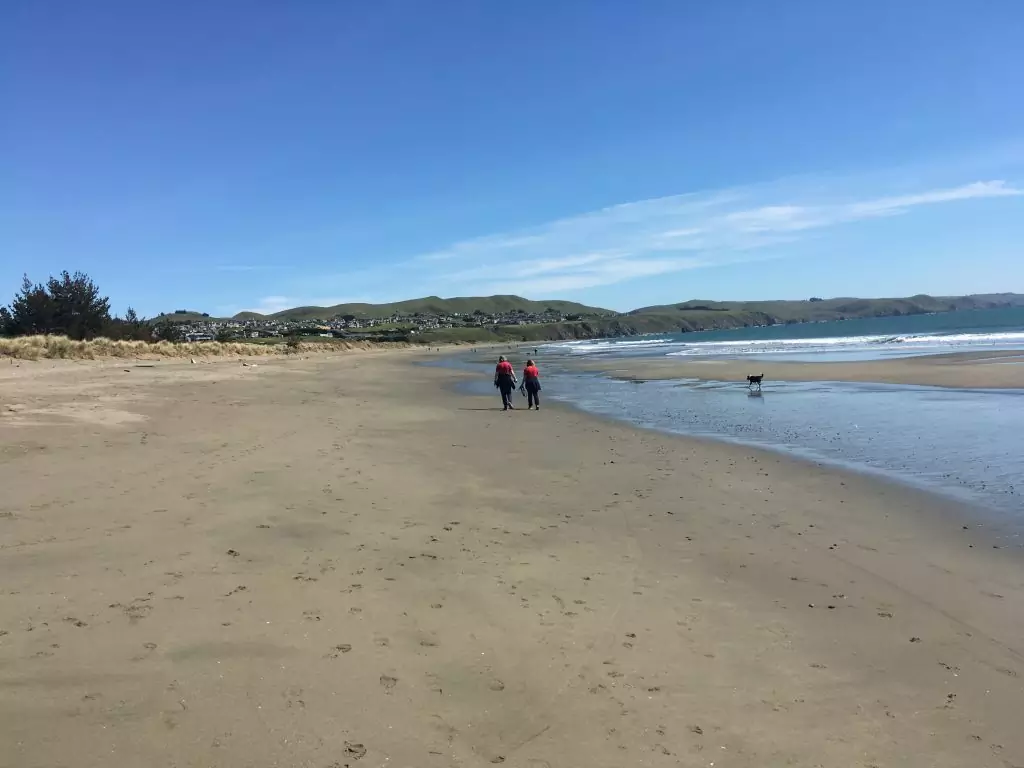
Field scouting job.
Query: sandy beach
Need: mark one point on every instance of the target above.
(970, 370)
(338, 561)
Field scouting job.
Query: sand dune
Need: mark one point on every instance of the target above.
(44, 347)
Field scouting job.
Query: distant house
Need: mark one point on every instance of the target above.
(198, 337)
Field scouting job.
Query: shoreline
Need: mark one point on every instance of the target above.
(997, 369)
(957, 512)
(956, 506)
(328, 559)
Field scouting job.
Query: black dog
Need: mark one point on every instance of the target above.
(752, 380)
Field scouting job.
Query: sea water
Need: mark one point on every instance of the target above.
(863, 339)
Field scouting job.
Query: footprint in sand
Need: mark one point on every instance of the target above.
(388, 683)
(293, 698)
(354, 751)
(136, 610)
(337, 650)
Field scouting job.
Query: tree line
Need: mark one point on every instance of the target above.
(72, 305)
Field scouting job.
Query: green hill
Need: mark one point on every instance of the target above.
(183, 316)
(432, 305)
(593, 322)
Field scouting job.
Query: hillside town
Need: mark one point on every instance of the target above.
(352, 326)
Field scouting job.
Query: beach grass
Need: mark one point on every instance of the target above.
(63, 348)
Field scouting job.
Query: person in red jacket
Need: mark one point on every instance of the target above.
(505, 381)
(531, 383)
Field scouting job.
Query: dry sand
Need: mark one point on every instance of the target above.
(984, 370)
(338, 562)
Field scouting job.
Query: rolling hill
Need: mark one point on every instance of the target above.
(182, 316)
(594, 322)
(431, 305)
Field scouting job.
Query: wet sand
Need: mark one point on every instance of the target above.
(972, 370)
(338, 562)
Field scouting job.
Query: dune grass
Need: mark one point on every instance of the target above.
(63, 348)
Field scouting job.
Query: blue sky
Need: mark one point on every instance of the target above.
(244, 154)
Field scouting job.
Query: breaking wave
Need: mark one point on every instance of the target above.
(919, 342)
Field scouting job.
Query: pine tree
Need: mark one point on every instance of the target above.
(80, 312)
(31, 312)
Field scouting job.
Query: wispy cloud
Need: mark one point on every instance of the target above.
(641, 239)
(789, 218)
(661, 236)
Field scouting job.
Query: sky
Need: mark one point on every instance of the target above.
(257, 155)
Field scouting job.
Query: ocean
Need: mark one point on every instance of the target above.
(964, 444)
(863, 339)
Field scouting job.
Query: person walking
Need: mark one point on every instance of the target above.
(531, 383)
(505, 381)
